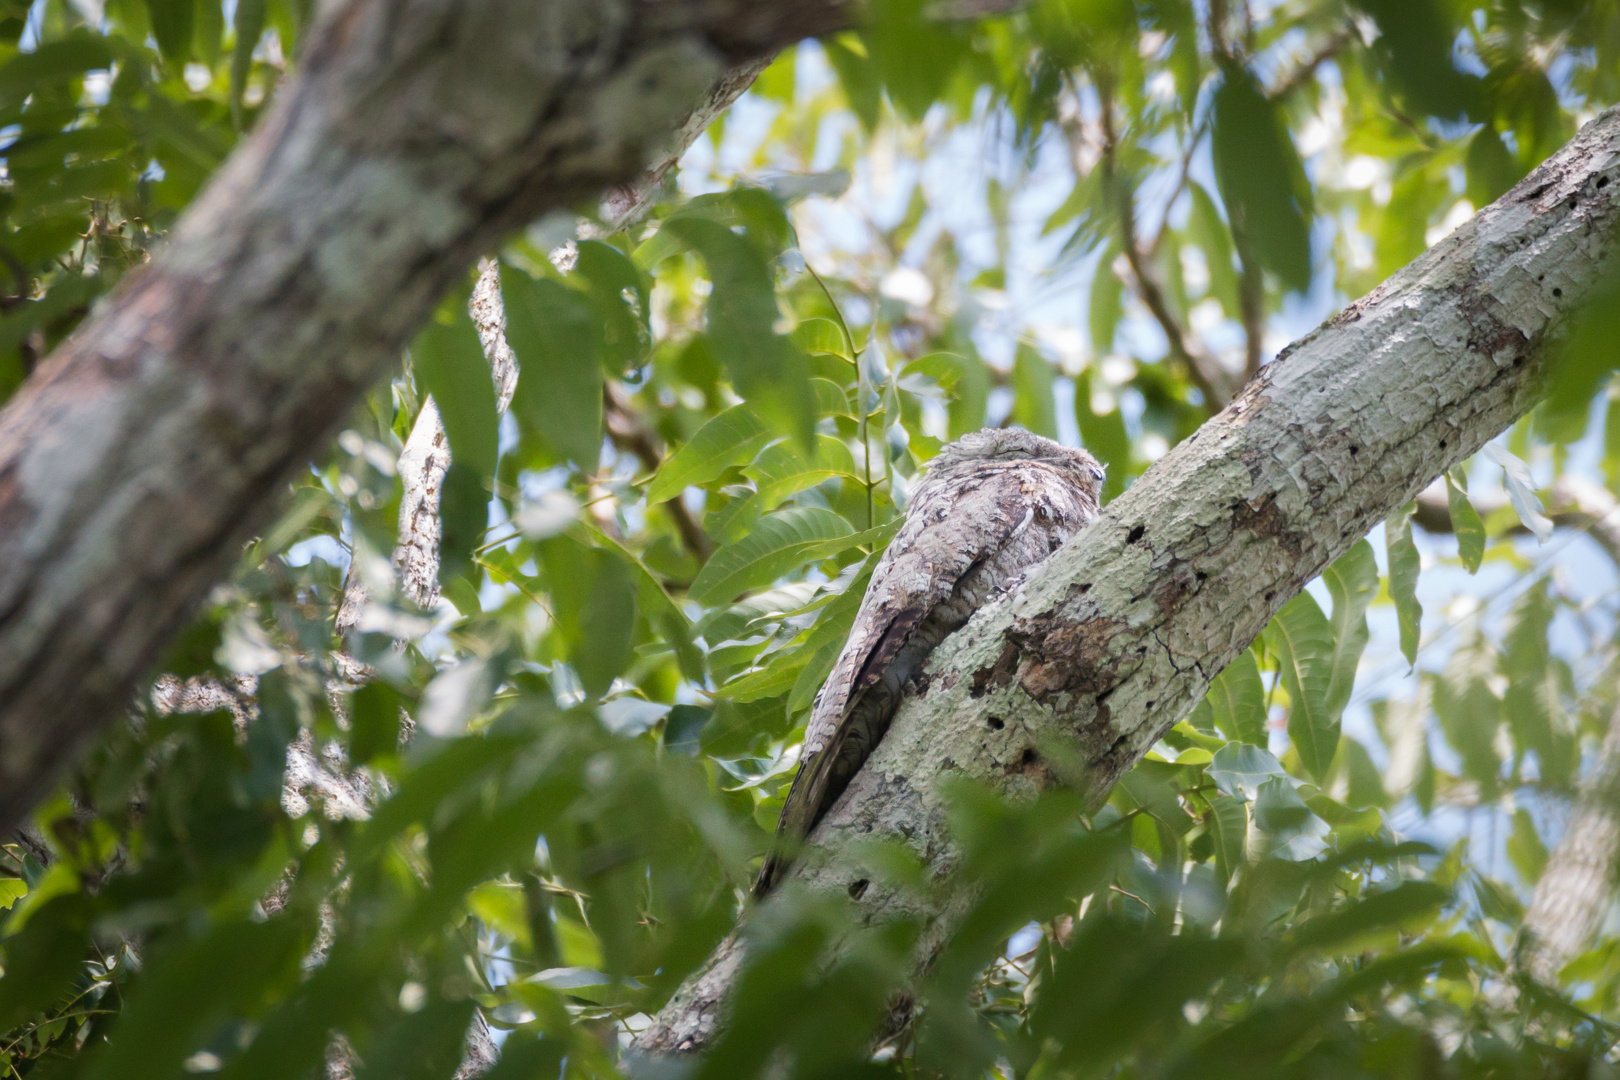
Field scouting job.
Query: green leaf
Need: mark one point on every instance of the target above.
(463, 518)
(1394, 908)
(1491, 167)
(172, 23)
(779, 544)
(683, 728)
(1466, 524)
(780, 471)
(374, 723)
(858, 76)
(767, 368)
(1209, 232)
(1301, 639)
(1237, 701)
(449, 361)
(1521, 489)
(1239, 769)
(52, 63)
(1229, 825)
(553, 334)
(731, 438)
(821, 336)
(249, 29)
(1415, 41)
(1525, 849)
(1033, 406)
(1103, 434)
(1352, 581)
(1403, 575)
(915, 54)
(618, 291)
(1107, 304)
(1261, 179)
(606, 624)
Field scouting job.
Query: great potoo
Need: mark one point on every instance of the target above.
(994, 503)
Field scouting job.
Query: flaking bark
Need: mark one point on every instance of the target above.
(1118, 635)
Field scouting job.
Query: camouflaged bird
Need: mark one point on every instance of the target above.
(994, 504)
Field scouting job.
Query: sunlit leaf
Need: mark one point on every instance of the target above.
(1302, 640)
(1237, 700)
(1352, 581)
(1403, 575)
(1521, 489)
(732, 437)
(776, 546)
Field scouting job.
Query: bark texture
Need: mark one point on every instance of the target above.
(138, 460)
(1576, 889)
(1118, 635)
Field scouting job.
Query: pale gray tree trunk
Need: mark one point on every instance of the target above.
(1118, 635)
(1576, 889)
(138, 460)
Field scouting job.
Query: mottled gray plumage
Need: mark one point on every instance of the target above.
(994, 503)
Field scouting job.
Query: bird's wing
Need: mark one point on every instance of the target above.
(952, 527)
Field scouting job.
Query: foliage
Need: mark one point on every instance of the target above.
(547, 797)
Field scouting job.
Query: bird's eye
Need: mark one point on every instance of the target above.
(1099, 473)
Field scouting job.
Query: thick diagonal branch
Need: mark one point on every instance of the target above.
(1120, 632)
(136, 462)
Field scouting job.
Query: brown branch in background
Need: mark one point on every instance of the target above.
(630, 433)
(1334, 44)
(1212, 380)
(1572, 502)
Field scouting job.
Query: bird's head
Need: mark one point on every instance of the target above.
(1016, 444)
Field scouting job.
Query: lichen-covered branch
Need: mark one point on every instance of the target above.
(1120, 632)
(140, 457)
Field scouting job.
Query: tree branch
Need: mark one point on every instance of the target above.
(137, 461)
(1118, 635)
(1205, 371)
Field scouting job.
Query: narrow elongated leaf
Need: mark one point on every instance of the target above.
(1107, 304)
(51, 63)
(778, 545)
(1033, 404)
(858, 77)
(172, 26)
(553, 333)
(1301, 639)
(1352, 581)
(249, 29)
(1237, 701)
(1229, 826)
(1521, 489)
(731, 438)
(1103, 434)
(449, 360)
(1261, 179)
(1467, 526)
(1209, 232)
(915, 55)
(1524, 848)
(1392, 908)
(1403, 575)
